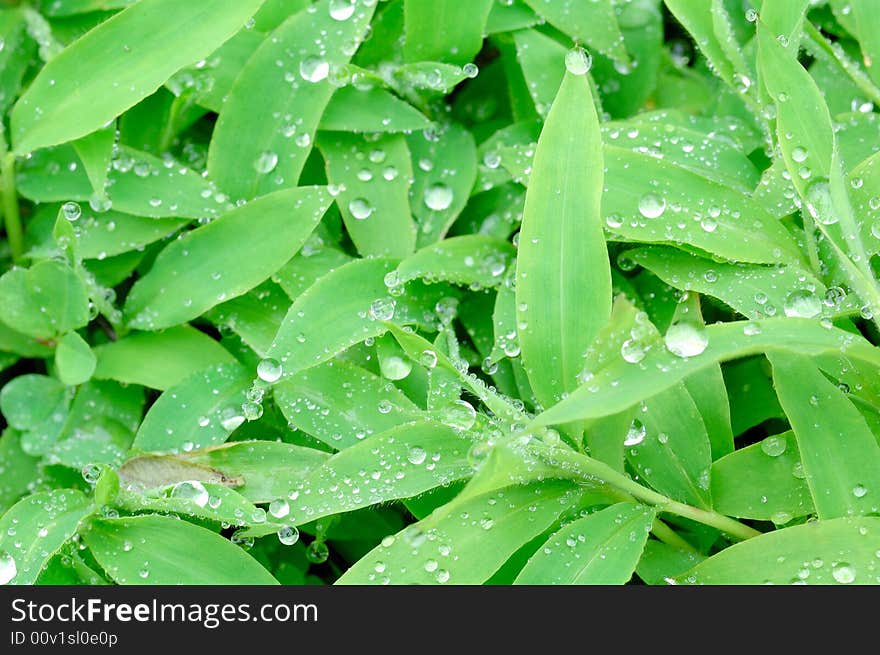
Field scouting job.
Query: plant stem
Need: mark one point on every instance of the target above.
(11, 217)
(591, 469)
(669, 536)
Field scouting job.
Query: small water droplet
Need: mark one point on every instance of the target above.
(360, 208)
(438, 196)
(314, 69)
(416, 455)
(317, 552)
(71, 211)
(341, 10)
(636, 434)
(802, 303)
(266, 162)
(652, 206)
(774, 446)
(269, 370)
(382, 309)
(288, 535)
(578, 61)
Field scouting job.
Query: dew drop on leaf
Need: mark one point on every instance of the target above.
(438, 196)
(191, 490)
(269, 370)
(686, 339)
(578, 61)
(652, 205)
(360, 208)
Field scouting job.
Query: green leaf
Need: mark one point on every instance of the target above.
(335, 313)
(200, 411)
(601, 548)
(661, 369)
(543, 65)
(269, 469)
(836, 551)
(563, 261)
(373, 177)
(443, 176)
(660, 561)
(35, 528)
(158, 360)
(763, 481)
(29, 400)
(438, 30)
(249, 158)
(593, 23)
(123, 60)
(225, 258)
(841, 457)
(459, 545)
(472, 260)
(19, 469)
(310, 400)
(429, 455)
(255, 316)
(370, 110)
(111, 233)
(95, 151)
(45, 300)
(160, 550)
(74, 359)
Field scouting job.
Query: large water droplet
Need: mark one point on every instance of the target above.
(578, 61)
(382, 309)
(843, 573)
(774, 446)
(288, 535)
(341, 9)
(269, 370)
(266, 162)
(360, 208)
(636, 434)
(460, 415)
(819, 203)
(652, 206)
(686, 339)
(71, 211)
(314, 69)
(191, 490)
(279, 508)
(633, 351)
(438, 196)
(802, 304)
(416, 455)
(317, 552)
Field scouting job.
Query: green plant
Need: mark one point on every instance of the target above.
(602, 303)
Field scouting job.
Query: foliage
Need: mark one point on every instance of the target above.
(389, 291)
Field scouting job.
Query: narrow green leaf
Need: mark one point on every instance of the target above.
(35, 528)
(341, 309)
(444, 170)
(158, 360)
(19, 469)
(249, 158)
(438, 30)
(763, 481)
(311, 402)
(841, 457)
(602, 548)
(660, 369)
(268, 469)
(74, 359)
(63, 103)
(593, 23)
(373, 177)
(370, 110)
(429, 455)
(543, 64)
(255, 316)
(202, 410)
(151, 550)
(563, 261)
(837, 551)
(225, 258)
(473, 260)
(94, 151)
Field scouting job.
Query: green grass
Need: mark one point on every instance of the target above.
(539, 292)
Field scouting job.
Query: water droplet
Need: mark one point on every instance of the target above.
(802, 304)
(479, 453)
(288, 535)
(751, 15)
(279, 508)
(470, 70)
(416, 455)
(460, 414)
(269, 370)
(774, 446)
(8, 569)
(751, 329)
(799, 154)
(578, 61)
(686, 339)
(314, 69)
(266, 162)
(191, 490)
(71, 211)
(438, 196)
(341, 9)
(652, 206)
(708, 224)
(843, 573)
(230, 419)
(251, 410)
(317, 552)
(91, 473)
(636, 434)
(819, 203)
(390, 173)
(382, 309)
(781, 517)
(860, 491)
(633, 351)
(360, 208)
(428, 359)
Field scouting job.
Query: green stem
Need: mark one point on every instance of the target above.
(669, 536)
(11, 217)
(591, 469)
